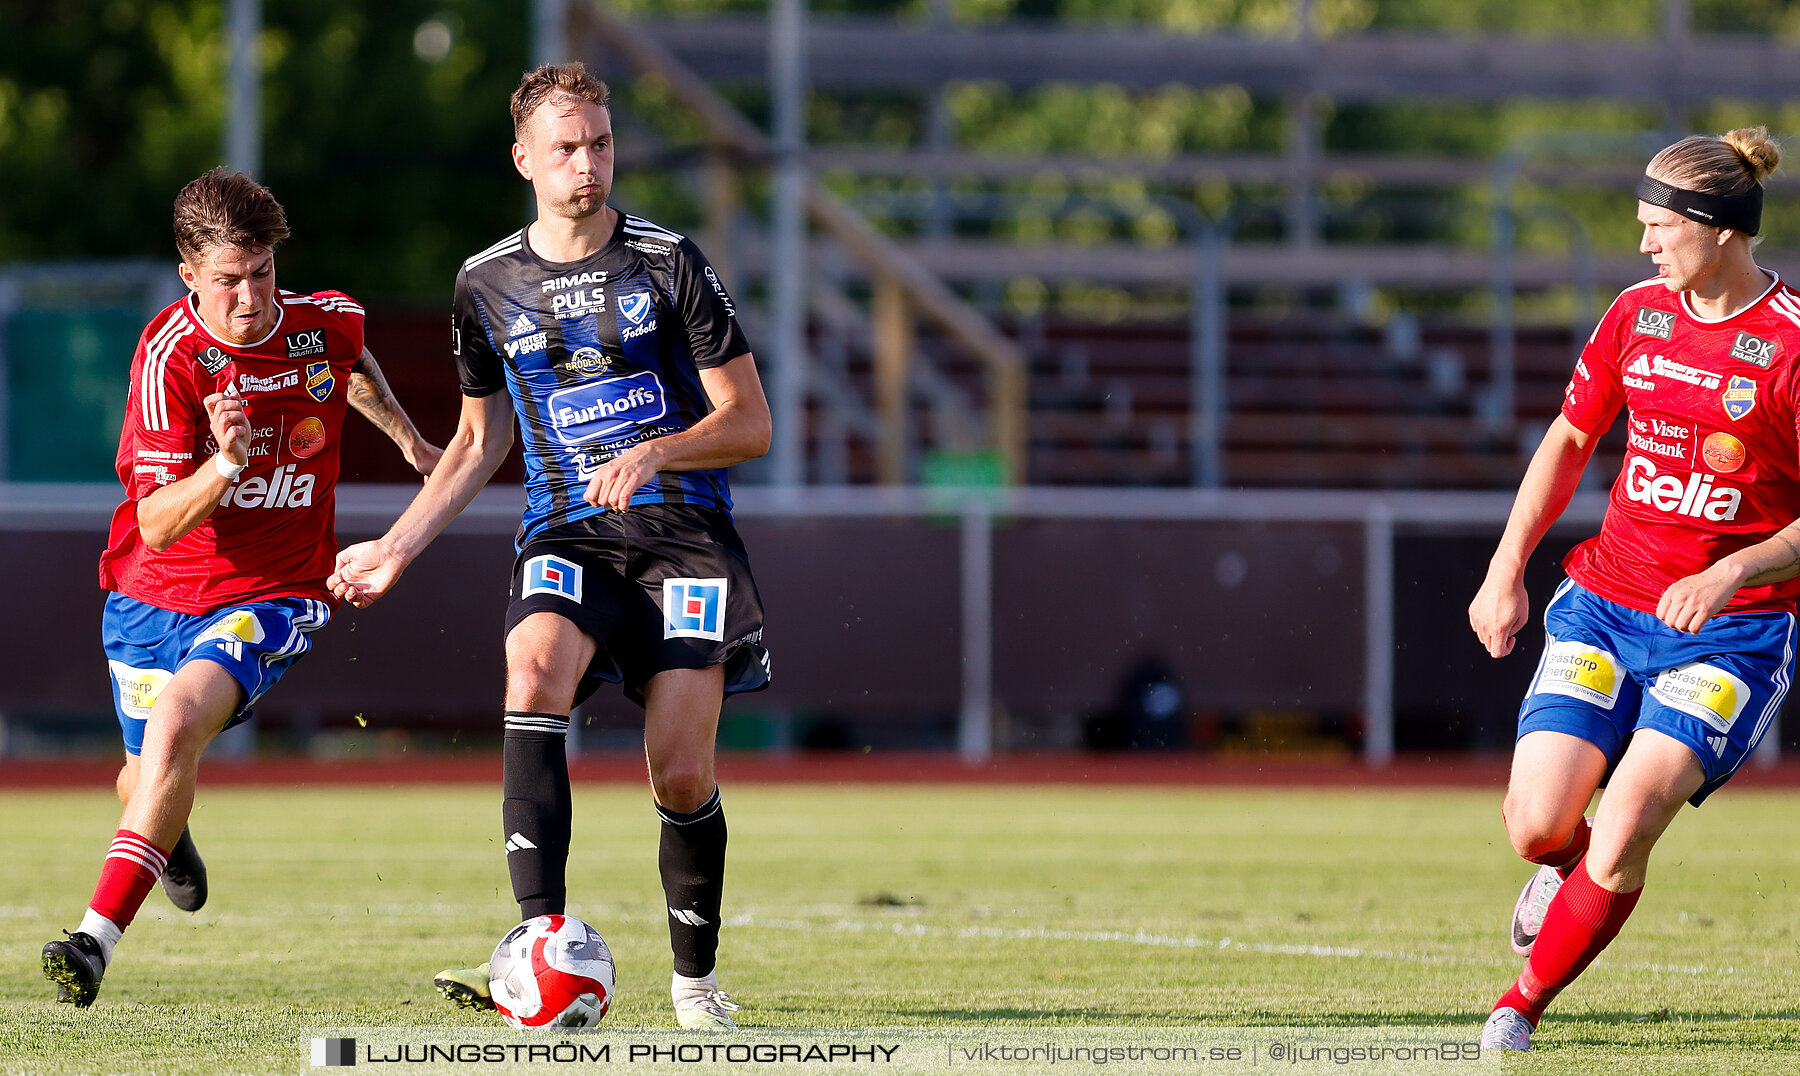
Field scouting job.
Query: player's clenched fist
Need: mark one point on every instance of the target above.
(1497, 613)
(225, 414)
(364, 572)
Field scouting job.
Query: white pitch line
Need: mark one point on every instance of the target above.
(1175, 941)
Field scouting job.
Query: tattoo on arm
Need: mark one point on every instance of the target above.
(370, 395)
(1793, 551)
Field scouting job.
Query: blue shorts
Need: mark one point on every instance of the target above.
(1608, 671)
(255, 642)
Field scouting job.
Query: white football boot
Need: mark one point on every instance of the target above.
(1506, 1029)
(700, 1005)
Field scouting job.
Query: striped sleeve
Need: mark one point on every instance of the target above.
(164, 422)
(342, 312)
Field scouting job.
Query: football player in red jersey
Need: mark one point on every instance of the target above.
(217, 558)
(1670, 647)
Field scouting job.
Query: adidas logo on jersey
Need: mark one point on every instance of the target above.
(521, 326)
(282, 489)
(1697, 497)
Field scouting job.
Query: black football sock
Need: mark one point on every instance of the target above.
(692, 861)
(536, 811)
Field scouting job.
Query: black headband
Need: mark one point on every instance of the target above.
(1740, 212)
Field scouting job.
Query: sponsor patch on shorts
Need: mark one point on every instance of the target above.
(694, 609)
(1580, 671)
(552, 575)
(231, 632)
(138, 688)
(1703, 691)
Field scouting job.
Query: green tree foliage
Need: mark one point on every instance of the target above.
(389, 153)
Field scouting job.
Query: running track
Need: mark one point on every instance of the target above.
(849, 767)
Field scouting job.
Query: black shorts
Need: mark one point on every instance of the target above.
(663, 586)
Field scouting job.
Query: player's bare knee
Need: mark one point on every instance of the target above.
(1536, 833)
(682, 788)
(533, 685)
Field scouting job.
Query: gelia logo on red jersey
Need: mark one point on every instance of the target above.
(1696, 496)
(282, 489)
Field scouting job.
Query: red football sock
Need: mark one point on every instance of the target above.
(1567, 858)
(132, 866)
(1582, 920)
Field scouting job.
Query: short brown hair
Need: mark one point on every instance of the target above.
(226, 209)
(537, 86)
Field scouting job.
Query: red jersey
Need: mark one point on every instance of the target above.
(272, 535)
(1713, 458)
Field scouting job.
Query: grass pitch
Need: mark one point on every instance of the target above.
(888, 906)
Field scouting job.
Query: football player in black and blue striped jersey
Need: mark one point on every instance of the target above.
(616, 349)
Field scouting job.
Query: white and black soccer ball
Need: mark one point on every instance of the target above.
(554, 971)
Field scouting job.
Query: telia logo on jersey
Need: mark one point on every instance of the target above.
(301, 345)
(282, 489)
(320, 380)
(1657, 323)
(1739, 397)
(1753, 349)
(694, 609)
(1696, 497)
(552, 575)
(595, 410)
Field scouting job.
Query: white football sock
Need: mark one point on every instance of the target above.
(681, 987)
(102, 930)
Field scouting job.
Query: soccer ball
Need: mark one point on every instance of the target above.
(554, 971)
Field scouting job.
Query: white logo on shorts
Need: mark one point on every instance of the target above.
(1580, 671)
(138, 688)
(552, 575)
(1703, 691)
(694, 609)
(231, 632)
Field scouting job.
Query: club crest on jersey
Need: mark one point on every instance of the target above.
(694, 609)
(213, 360)
(1652, 322)
(1739, 398)
(635, 306)
(1753, 349)
(303, 344)
(552, 575)
(320, 380)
